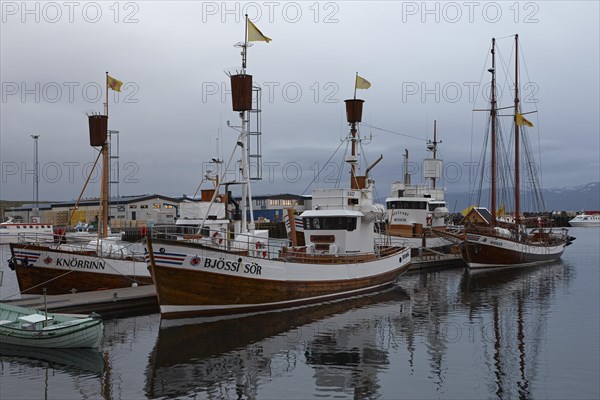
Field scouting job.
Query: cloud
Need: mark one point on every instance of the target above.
(423, 66)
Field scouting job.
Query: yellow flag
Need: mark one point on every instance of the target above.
(362, 83)
(255, 35)
(114, 84)
(522, 121)
(501, 211)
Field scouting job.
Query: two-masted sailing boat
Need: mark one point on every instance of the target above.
(343, 255)
(84, 265)
(491, 237)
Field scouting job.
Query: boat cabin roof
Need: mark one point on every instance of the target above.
(331, 213)
(196, 222)
(479, 215)
(424, 199)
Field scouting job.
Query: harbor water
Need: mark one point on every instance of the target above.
(444, 334)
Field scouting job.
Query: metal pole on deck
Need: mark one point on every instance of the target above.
(45, 307)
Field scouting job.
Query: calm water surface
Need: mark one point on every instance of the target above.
(503, 334)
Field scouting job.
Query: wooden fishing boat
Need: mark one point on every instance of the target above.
(494, 238)
(30, 327)
(75, 268)
(91, 263)
(343, 255)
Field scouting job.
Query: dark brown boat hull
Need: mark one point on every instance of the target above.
(235, 295)
(34, 278)
(482, 255)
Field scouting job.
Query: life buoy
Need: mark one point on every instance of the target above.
(429, 220)
(260, 246)
(217, 238)
(333, 249)
(59, 235)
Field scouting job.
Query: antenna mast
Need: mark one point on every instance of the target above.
(406, 174)
(36, 178)
(435, 142)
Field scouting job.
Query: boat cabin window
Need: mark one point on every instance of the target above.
(330, 223)
(433, 206)
(205, 231)
(3, 227)
(407, 205)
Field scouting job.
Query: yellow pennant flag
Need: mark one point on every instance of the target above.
(255, 35)
(114, 84)
(522, 121)
(501, 211)
(362, 83)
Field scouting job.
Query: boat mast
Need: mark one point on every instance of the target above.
(517, 177)
(353, 155)
(434, 148)
(245, 169)
(493, 129)
(354, 108)
(406, 175)
(434, 138)
(353, 147)
(104, 184)
(36, 180)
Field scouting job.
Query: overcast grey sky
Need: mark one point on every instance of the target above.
(424, 60)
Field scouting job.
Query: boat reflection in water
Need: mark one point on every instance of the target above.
(509, 310)
(85, 366)
(217, 356)
(74, 361)
(429, 328)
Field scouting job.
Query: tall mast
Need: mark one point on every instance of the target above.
(353, 153)
(517, 183)
(245, 169)
(104, 184)
(493, 129)
(354, 108)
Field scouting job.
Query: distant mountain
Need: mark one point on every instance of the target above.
(573, 198)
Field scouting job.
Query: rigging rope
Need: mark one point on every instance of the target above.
(393, 132)
(36, 286)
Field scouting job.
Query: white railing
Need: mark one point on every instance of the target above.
(259, 246)
(106, 248)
